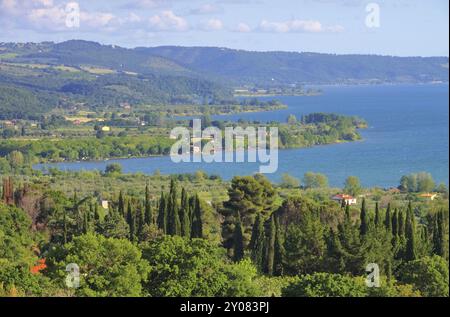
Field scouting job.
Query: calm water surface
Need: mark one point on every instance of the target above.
(408, 132)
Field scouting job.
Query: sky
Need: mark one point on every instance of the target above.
(386, 27)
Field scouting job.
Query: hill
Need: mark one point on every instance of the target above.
(38, 77)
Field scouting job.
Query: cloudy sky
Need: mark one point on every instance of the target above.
(388, 27)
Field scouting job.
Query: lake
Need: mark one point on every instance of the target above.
(408, 132)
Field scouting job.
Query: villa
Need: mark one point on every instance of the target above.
(428, 196)
(349, 200)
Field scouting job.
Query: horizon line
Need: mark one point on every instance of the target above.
(228, 48)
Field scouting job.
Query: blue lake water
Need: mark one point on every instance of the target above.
(408, 132)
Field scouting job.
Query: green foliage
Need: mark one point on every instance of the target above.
(113, 169)
(108, 267)
(238, 241)
(352, 186)
(429, 275)
(420, 182)
(17, 256)
(248, 196)
(315, 180)
(290, 67)
(87, 148)
(184, 268)
(305, 245)
(289, 181)
(326, 285)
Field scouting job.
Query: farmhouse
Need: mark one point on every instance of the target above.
(349, 200)
(428, 196)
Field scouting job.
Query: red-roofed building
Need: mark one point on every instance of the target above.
(349, 200)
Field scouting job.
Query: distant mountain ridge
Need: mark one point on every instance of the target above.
(38, 77)
(251, 67)
(305, 68)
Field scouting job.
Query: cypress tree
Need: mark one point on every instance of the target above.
(377, 215)
(184, 215)
(347, 213)
(162, 213)
(270, 246)
(96, 212)
(395, 223)
(65, 226)
(279, 250)
(121, 205)
(131, 222)
(85, 222)
(438, 234)
(197, 225)
(257, 242)
(148, 216)
(388, 220)
(364, 226)
(238, 240)
(401, 224)
(140, 223)
(173, 217)
(410, 251)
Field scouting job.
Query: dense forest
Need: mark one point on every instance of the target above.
(256, 242)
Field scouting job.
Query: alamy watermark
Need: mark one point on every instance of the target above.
(72, 15)
(373, 275)
(73, 275)
(226, 146)
(373, 15)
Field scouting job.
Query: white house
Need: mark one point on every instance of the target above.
(349, 200)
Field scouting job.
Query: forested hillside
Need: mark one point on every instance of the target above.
(36, 78)
(266, 68)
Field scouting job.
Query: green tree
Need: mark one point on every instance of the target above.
(249, 196)
(315, 180)
(288, 181)
(197, 222)
(185, 215)
(388, 219)
(352, 186)
(364, 219)
(326, 285)
(377, 215)
(238, 242)
(257, 243)
(410, 233)
(131, 221)
(270, 246)
(173, 216)
(279, 252)
(305, 246)
(121, 204)
(113, 169)
(429, 275)
(183, 268)
(148, 219)
(108, 267)
(162, 213)
(439, 234)
(16, 159)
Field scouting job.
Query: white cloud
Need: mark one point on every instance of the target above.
(52, 18)
(146, 4)
(212, 25)
(207, 8)
(168, 21)
(297, 26)
(242, 28)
